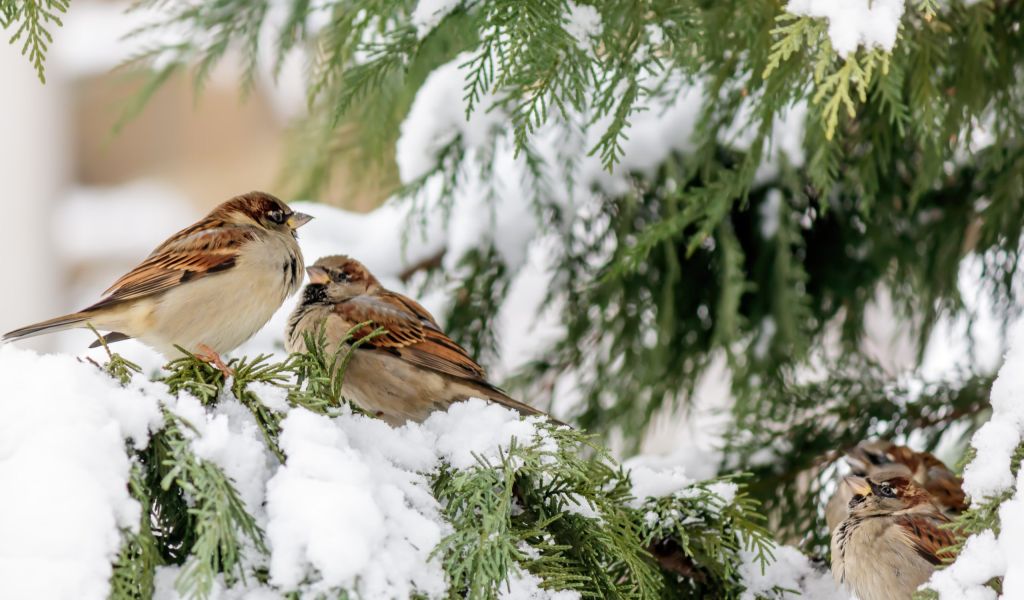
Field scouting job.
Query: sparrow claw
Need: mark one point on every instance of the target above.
(208, 354)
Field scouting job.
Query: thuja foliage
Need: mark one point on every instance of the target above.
(555, 506)
(30, 23)
(709, 255)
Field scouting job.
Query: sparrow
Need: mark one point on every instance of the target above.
(208, 288)
(404, 374)
(880, 459)
(891, 541)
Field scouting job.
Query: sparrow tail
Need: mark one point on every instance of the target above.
(496, 395)
(49, 326)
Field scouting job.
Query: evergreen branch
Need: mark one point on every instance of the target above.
(709, 530)
(32, 18)
(135, 566)
(218, 515)
(320, 371)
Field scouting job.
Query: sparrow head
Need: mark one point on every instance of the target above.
(263, 210)
(881, 460)
(866, 456)
(341, 278)
(884, 496)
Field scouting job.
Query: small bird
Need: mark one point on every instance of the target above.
(945, 488)
(406, 373)
(880, 459)
(208, 288)
(891, 541)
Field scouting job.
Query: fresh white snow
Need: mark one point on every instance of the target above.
(791, 570)
(64, 473)
(987, 555)
(852, 23)
(583, 23)
(429, 13)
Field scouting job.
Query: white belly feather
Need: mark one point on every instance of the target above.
(221, 310)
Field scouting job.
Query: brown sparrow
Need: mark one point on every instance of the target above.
(407, 372)
(208, 288)
(891, 541)
(880, 459)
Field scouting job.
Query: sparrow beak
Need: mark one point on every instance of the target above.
(317, 275)
(298, 220)
(858, 485)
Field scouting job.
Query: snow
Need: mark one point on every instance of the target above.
(988, 476)
(523, 585)
(583, 23)
(429, 13)
(989, 473)
(438, 116)
(789, 570)
(852, 23)
(980, 560)
(475, 431)
(655, 477)
(352, 507)
(229, 437)
(64, 472)
(350, 516)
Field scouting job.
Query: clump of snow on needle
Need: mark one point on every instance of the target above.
(851, 23)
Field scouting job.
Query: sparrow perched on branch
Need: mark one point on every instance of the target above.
(881, 460)
(405, 373)
(891, 541)
(208, 288)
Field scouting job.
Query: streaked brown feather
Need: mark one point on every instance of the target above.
(411, 332)
(210, 246)
(409, 305)
(925, 534)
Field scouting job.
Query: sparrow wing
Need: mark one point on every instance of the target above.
(410, 306)
(410, 332)
(947, 489)
(205, 248)
(925, 534)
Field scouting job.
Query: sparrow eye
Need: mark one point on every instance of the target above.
(887, 491)
(277, 216)
(340, 276)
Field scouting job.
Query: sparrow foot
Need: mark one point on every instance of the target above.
(208, 354)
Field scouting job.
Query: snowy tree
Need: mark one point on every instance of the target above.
(725, 189)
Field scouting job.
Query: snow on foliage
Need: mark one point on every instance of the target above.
(790, 570)
(852, 23)
(64, 473)
(351, 508)
(989, 477)
(583, 23)
(504, 192)
(429, 13)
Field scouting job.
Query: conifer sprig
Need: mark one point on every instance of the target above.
(32, 21)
